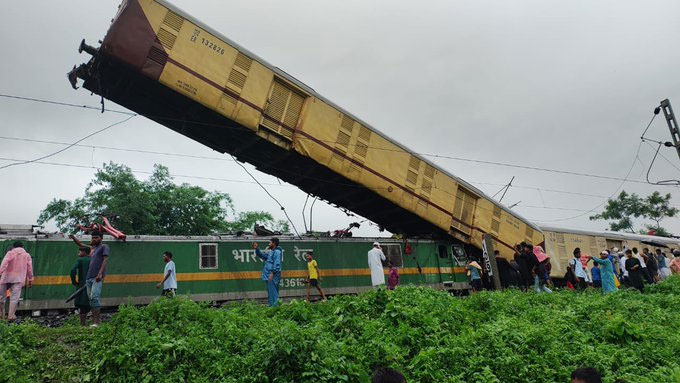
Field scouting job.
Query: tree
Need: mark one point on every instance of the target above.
(247, 220)
(155, 206)
(626, 207)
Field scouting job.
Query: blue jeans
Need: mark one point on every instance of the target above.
(94, 289)
(540, 286)
(273, 290)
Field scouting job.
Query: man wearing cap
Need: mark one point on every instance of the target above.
(375, 259)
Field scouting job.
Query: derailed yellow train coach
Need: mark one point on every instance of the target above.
(160, 62)
(560, 244)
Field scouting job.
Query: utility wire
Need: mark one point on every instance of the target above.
(97, 108)
(298, 137)
(268, 193)
(69, 146)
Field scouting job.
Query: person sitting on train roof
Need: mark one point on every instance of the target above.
(96, 274)
(78, 277)
(271, 271)
(375, 259)
(16, 268)
(169, 282)
(313, 276)
(578, 270)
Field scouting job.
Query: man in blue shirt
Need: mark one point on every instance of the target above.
(271, 272)
(597, 279)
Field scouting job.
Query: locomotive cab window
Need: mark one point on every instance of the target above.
(393, 254)
(207, 254)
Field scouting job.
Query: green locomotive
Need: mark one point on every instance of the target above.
(223, 268)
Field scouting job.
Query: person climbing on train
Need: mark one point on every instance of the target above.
(392, 276)
(540, 272)
(78, 277)
(169, 282)
(99, 258)
(16, 270)
(313, 276)
(375, 259)
(606, 272)
(578, 270)
(634, 268)
(271, 271)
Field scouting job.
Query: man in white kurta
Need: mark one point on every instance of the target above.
(375, 258)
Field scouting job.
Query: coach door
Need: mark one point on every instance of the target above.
(445, 265)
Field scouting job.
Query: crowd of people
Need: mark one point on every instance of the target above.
(612, 269)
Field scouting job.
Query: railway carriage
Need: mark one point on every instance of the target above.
(223, 268)
(561, 242)
(160, 62)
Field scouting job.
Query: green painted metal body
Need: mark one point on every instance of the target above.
(135, 266)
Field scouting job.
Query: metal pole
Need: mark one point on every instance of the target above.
(490, 260)
(506, 189)
(672, 123)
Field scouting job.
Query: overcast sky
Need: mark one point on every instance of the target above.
(567, 85)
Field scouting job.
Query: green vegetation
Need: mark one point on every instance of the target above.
(626, 206)
(156, 206)
(428, 335)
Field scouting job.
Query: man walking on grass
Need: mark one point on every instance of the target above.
(313, 276)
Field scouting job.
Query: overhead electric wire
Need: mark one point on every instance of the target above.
(270, 194)
(432, 155)
(69, 146)
(97, 108)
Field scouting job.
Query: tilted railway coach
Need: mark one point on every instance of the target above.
(223, 268)
(163, 64)
(561, 242)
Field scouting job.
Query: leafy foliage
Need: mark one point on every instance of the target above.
(626, 206)
(155, 206)
(428, 335)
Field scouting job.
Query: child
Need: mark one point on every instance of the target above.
(313, 276)
(393, 277)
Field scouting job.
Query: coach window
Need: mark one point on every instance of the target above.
(207, 253)
(393, 254)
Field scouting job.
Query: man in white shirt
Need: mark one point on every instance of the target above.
(577, 269)
(169, 282)
(375, 259)
(645, 272)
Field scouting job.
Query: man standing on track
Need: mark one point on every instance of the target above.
(577, 268)
(96, 274)
(271, 272)
(375, 259)
(15, 270)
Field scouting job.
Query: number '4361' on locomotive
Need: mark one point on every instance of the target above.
(160, 62)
